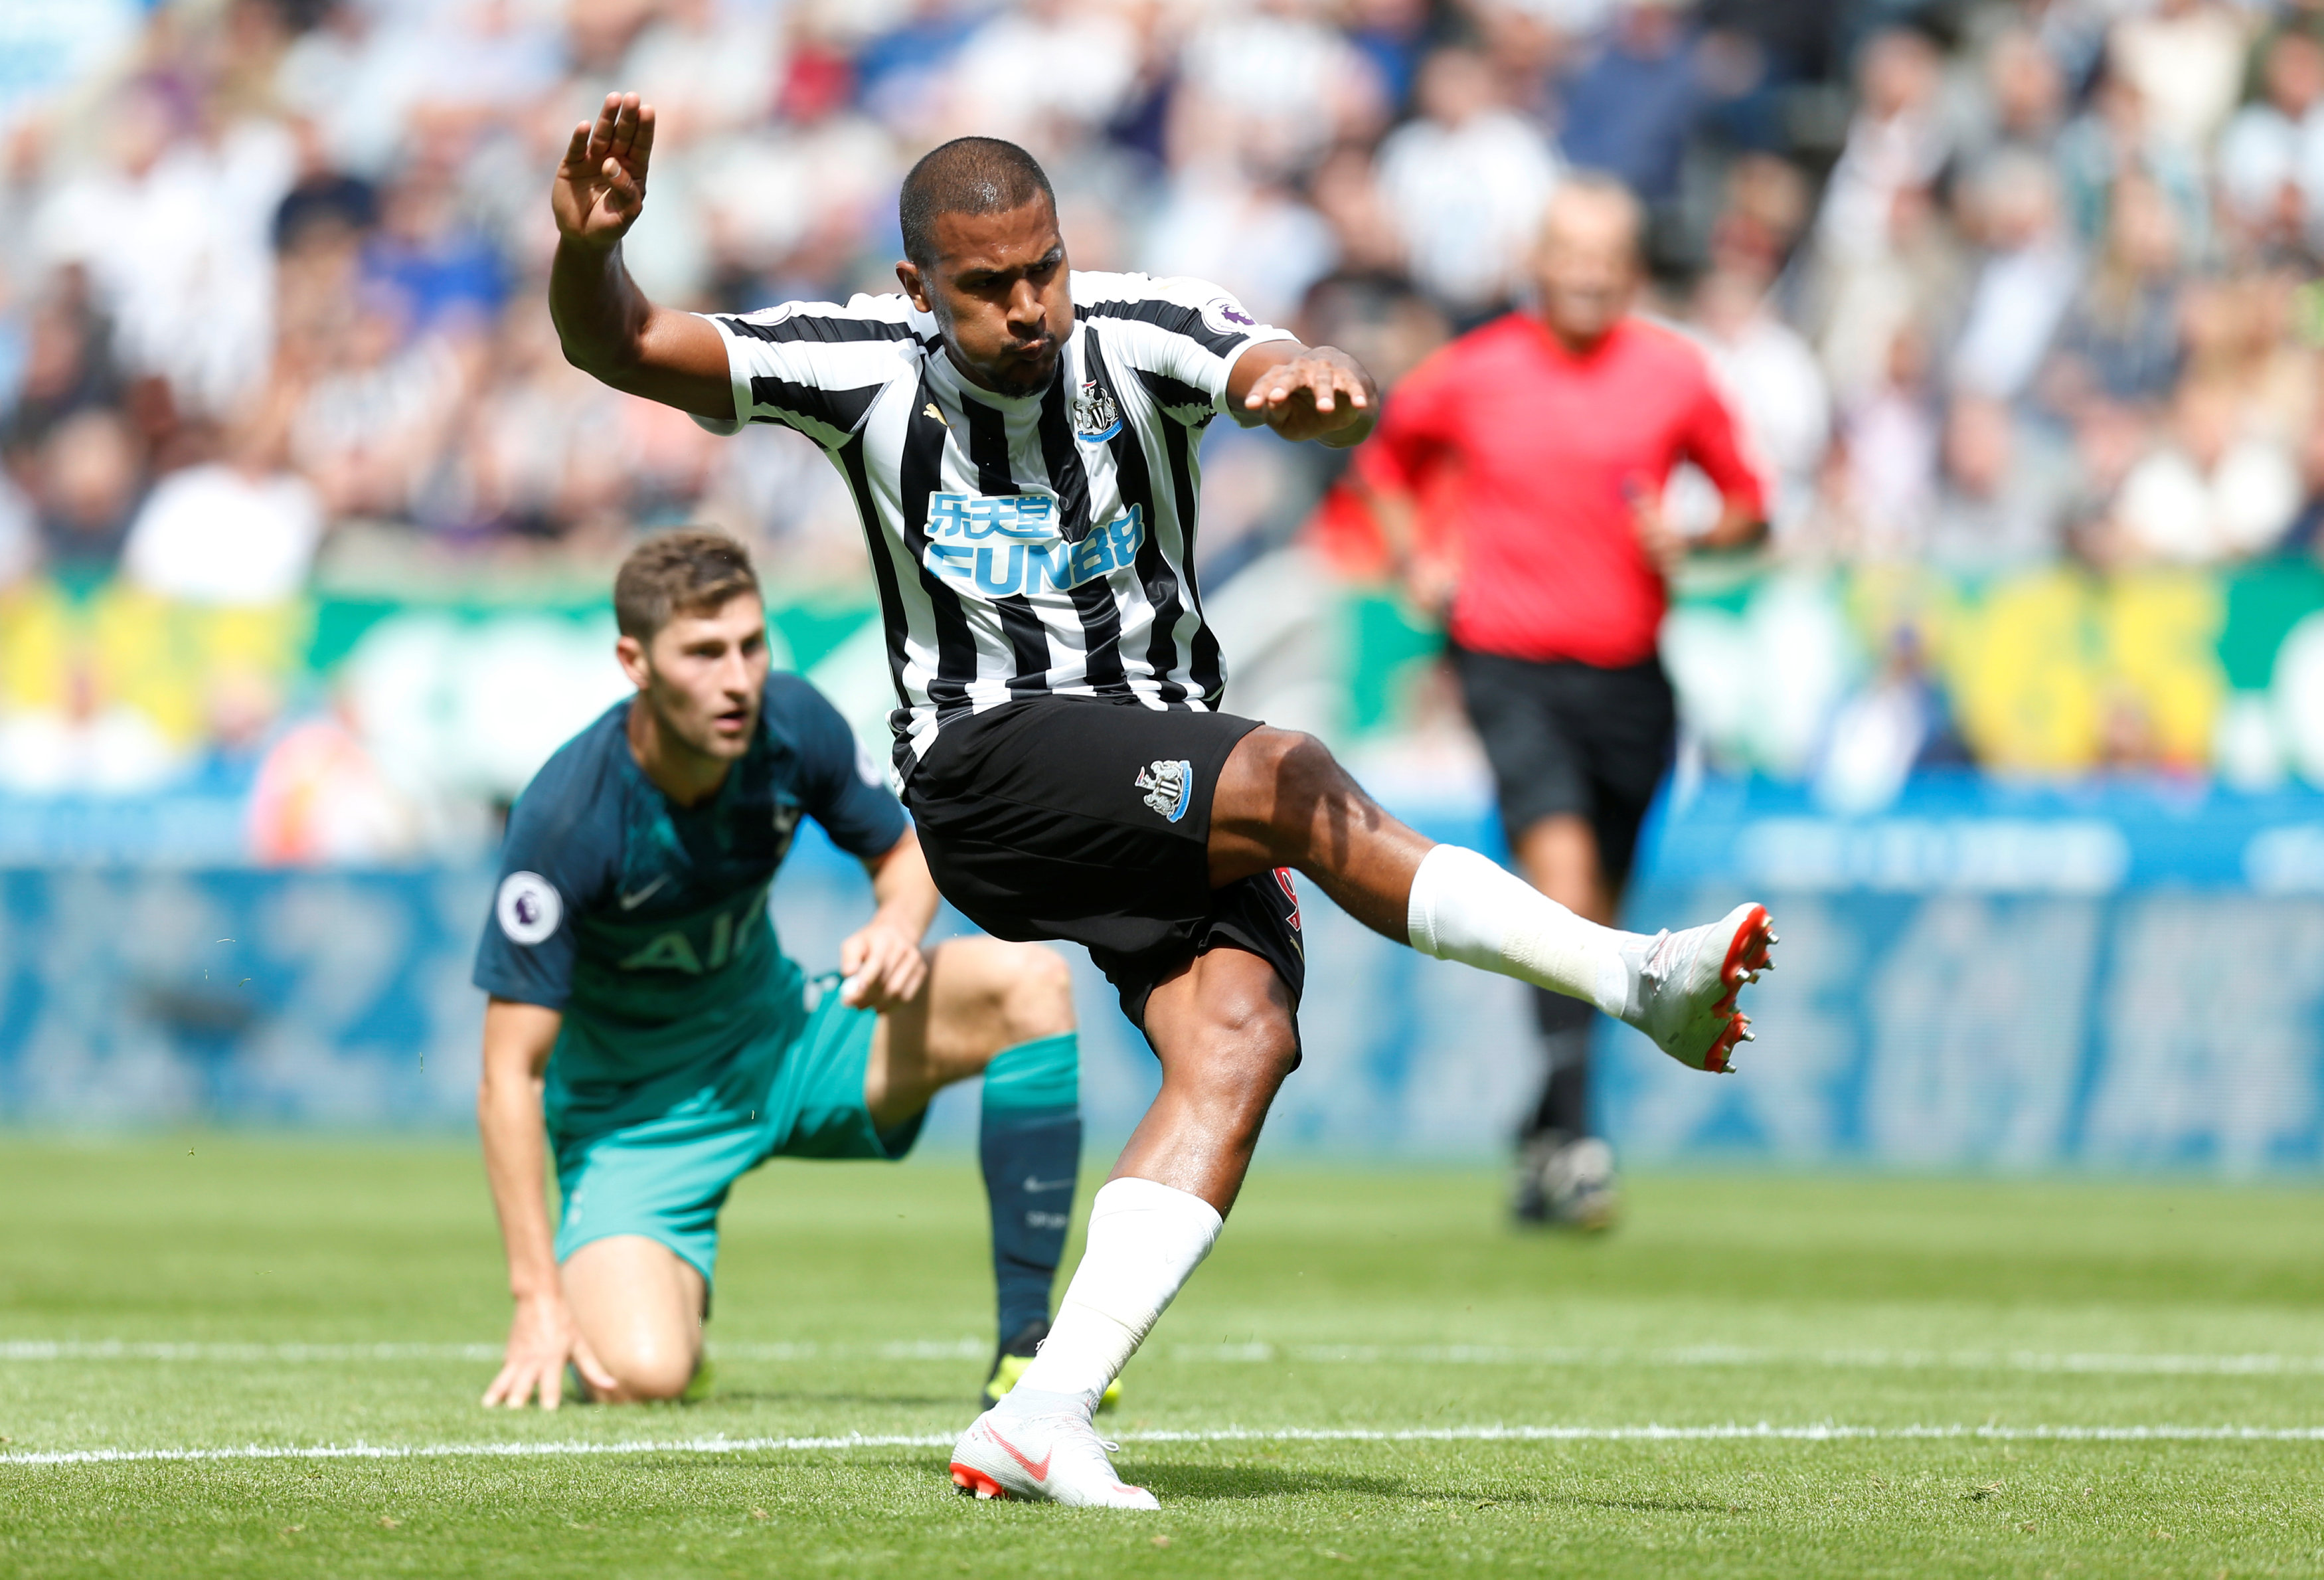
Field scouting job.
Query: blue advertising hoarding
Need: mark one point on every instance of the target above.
(2020, 1001)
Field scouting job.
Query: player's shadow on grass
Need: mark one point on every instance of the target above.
(1220, 1483)
(1639, 1505)
(1252, 1481)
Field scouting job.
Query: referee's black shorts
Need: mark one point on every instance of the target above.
(1567, 738)
(1075, 818)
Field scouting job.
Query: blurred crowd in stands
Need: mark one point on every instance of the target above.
(1999, 281)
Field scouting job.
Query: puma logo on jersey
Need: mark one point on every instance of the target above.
(1009, 545)
(1168, 787)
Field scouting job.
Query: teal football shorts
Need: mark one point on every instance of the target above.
(794, 1092)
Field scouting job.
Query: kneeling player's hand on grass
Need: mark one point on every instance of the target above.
(883, 965)
(541, 1340)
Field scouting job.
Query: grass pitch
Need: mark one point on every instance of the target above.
(1954, 1379)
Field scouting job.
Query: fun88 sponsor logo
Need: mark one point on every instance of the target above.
(1006, 546)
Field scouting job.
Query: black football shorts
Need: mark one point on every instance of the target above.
(1090, 821)
(1573, 738)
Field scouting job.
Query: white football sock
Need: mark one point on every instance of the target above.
(1468, 908)
(1144, 1241)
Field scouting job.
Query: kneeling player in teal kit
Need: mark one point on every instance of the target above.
(640, 1007)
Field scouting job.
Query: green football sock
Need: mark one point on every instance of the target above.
(1030, 1146)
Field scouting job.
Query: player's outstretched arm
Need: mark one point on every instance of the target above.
(1305, 391)
(518, 1038)
(884, 963)
(607, 326)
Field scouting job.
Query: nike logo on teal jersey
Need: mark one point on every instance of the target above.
(632, 902)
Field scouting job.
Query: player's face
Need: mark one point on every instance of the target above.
(997, 290)
(704, 675)
(1587, 265)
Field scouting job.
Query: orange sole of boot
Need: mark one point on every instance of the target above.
(1746, 954)
(973, 1482)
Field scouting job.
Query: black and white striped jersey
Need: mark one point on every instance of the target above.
(1025, 546)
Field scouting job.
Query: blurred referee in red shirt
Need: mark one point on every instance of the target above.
(1562, 426)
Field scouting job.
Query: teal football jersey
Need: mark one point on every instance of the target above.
(647, 920)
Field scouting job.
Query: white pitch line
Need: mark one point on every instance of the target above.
(1260, 1353)
(1729, 1355)
(477, 1450)
(34, 1349)
(1823, 1432)
(1820, 1432)
(126, 1350)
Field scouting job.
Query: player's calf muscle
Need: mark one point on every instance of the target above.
(1223, 1029)
(1229, 1083)
(1225, 1034)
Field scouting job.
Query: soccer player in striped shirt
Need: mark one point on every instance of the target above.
(1021, 443)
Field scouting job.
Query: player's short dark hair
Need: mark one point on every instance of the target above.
(968, 175)
(690, 571)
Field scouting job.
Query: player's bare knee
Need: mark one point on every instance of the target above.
(650, 1376)
(1284, 760)
(1036, 995)
(1301, 776)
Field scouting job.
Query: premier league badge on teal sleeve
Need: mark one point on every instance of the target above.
(528, 907)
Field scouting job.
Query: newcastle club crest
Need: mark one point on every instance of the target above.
(1167, 785)
(1096, 418)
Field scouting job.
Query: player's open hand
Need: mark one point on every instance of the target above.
(541, 1340)
(1322, 393)
(883, 965)
(601, 184)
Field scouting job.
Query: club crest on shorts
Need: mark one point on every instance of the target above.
(1168, 785)
(1096, 418)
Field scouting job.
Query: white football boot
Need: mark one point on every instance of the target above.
(1056, 1456)
(1683, 985)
